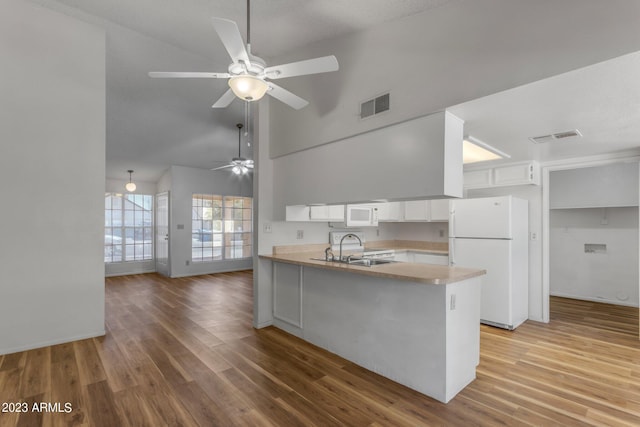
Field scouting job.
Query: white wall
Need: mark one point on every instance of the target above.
(416, 159)
(52, 169)
(605, 185)
(532, 193)
(184, 183)
(428, 64)
(611, 276)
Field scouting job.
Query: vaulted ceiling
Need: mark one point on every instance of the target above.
(152, 124)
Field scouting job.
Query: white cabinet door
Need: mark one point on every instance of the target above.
(439, 210)
(521, 173)
(327, 213)
(478, 179)
(416, 210)
(287, 293)
(390, 211)
(437, 259)
(517, 174)
(297, 213)
(426, 210)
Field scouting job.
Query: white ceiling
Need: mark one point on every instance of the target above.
(152, 124)
(277, 26)
(601, 101)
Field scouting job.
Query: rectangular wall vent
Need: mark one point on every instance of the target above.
(554, 136)
(374, 106)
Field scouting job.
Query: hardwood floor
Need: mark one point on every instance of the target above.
(182, 352)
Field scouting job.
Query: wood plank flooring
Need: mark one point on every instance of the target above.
(182, 352)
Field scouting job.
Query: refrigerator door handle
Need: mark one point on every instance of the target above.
(452, 252)
(452, 223)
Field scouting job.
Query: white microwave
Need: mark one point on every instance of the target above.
(361, 216)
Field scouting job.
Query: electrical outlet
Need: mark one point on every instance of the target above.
(452, 303)
(377, 231)
(441, 233)
(187, 262)
(300, 234)
(533, 235)
(266, 227)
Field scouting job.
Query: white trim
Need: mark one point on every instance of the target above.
(575, 163)
(229, 270)
(264, 324)
(586, 298)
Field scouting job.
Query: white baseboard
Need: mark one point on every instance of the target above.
(602, 300)
(52, 342)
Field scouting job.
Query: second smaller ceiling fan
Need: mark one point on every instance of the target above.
(239, 165)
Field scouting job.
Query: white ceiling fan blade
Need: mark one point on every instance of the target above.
(281, 94)
(187, 75)
(324, 64)
(224, 100)
(231, 39)
(223, 167)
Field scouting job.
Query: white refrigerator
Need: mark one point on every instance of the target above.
(492, 234)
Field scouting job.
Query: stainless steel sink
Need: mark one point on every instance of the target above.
(365, 262)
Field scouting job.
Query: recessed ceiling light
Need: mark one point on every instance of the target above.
(474, 150)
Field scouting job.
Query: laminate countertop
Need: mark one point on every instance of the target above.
(414, 272)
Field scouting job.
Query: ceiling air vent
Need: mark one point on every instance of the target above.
(554, 136)
(374, 106)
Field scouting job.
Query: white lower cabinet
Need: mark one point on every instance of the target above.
(287, 296)
(421, 257)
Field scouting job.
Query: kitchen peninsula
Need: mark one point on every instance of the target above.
(417, 324)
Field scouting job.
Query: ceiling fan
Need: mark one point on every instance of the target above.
(249, 76)
(239, 165)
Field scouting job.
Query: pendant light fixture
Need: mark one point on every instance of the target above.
(130, 186)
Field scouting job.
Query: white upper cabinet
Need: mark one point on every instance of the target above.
(439, 210)
(410, 211)
(522, 173)
(326, 213)
(297, 213)
(426, 210)
(416, 210)
(478, 178)
(390, 211)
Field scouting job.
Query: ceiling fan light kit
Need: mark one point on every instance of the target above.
(249, 77)
(248, 87)
(239, 165)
